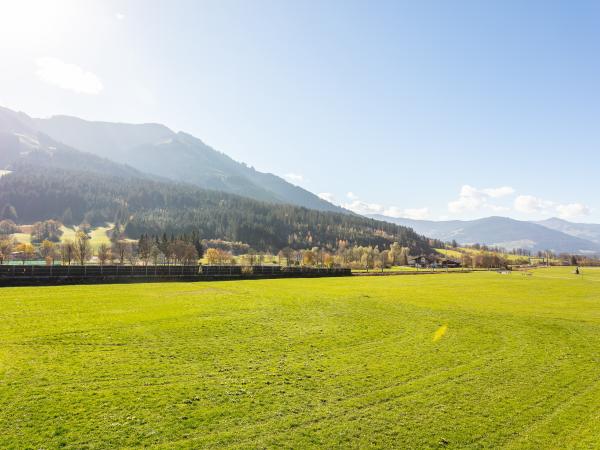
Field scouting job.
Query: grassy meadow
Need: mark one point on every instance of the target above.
(98, 235)
(474, 360)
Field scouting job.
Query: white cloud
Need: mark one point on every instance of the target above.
(294, 177)
(529, 204)
(120, 16)
(327, 196)
(572, 210)
(499, 192)
(473, 199)
(362, 207)
(68, 76)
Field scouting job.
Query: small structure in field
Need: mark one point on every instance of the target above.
(428, 261)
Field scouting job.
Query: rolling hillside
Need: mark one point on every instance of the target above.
(501, 232)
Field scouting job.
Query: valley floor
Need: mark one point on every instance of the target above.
(475, 360)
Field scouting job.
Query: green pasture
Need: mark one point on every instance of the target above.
(458, 360)
(98, 235)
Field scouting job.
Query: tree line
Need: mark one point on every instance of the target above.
(145, 207)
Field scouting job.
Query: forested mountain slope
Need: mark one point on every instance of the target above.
(153, 207)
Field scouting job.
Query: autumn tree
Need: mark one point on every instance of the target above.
(6, 248)
(26, 251)
(308, 258)
(48, 251)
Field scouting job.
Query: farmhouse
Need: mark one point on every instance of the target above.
(432, 261)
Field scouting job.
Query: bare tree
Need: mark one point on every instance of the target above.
(132, 253)
(104, 253)
(145, 249)
(120, 251)
(67, 252)
(83, 249)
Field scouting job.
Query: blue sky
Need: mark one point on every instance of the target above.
(421, 109)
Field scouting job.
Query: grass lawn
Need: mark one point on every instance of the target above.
(473, 360)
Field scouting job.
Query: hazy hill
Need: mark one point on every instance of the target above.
(21, 145)
(156, 149)
(588, 231)
(500, 231)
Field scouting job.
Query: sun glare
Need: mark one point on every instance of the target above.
(36, 25)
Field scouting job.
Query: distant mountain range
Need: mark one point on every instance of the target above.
(153, 152)
(553, 234)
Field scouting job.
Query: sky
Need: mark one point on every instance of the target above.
(430, 109)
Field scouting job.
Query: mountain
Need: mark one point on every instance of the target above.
(588, 231)
(143, 206)
(22, 145)
(500, 232)
(155, 149)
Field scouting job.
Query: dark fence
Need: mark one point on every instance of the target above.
(38, 275)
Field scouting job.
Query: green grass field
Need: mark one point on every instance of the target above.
(475, 360)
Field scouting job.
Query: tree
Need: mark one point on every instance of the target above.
(145, 248)
(328, 260)
(383, 259)
(48, 251)
(120, 251)
(47, 230)
(26, 251)
(104, 253)
(395, 252)
(155, 254)
(404, 254)
(9, 212)
(8, 227)
(6, 248)
(308, 258)
(83, 248)
(217, 256)
(132, 253)
(67, 252)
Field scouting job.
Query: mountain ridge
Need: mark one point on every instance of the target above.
(190, 160)
(501, 232)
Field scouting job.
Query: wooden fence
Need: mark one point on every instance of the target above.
(13, 275)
